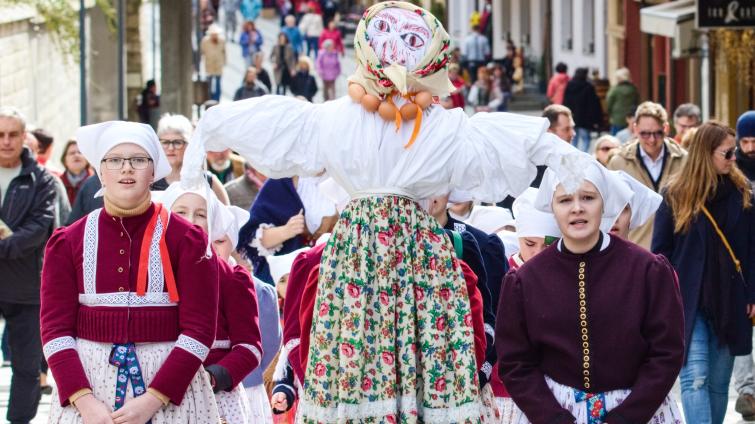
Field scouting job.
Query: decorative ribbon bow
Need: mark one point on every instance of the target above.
(595, 403)
(124, 357)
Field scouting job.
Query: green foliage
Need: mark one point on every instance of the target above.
(438, 9)
(61, 19)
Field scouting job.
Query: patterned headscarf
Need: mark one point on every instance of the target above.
(378, 79)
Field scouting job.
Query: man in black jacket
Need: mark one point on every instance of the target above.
(27, 197)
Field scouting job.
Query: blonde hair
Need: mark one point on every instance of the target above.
(688, 190)
(651, 110)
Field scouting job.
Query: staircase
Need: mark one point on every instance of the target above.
(529, 100)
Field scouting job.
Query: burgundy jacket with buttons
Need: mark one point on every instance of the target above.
(238, 325)
(64, 319)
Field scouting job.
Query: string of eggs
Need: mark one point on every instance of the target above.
(387, 109)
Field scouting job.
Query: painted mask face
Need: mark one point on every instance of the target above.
(399, 36)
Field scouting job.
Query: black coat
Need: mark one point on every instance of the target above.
(85, 201)
(581, 99)
(304, 84)
(687, 252)
(29, 210)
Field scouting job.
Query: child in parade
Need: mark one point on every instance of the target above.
(568, 350)
(640, 209)
(126, 292)
(286, 215)
(237, 349)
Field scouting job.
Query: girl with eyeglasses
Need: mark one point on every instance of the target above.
(706, 228)
(126, 294)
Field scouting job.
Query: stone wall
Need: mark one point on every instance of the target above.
(35, 76)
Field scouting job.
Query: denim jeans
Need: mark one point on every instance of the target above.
(705, 377)
(616, 128)
(582, 139)
(312, 45)
(214, 87)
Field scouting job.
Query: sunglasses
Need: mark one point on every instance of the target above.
(647, 134)
(606, 149)
(727, 154)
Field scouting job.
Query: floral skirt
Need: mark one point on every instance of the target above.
(667, 413)
(198, 405)
(391, 338)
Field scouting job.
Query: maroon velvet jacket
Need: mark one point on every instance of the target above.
(110, 318)
(634, 321)
(303, 265)
(237, 346)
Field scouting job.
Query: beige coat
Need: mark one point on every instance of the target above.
(627, 160)
(214, 55)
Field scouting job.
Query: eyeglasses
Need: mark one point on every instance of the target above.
(177, 144)
(728, 154)
(654, 134)
(138, 162)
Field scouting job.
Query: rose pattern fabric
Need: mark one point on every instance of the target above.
(392, 336)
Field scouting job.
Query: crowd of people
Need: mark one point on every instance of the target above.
(382, 256)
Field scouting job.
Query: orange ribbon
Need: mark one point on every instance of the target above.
(141, 279)
(398, 120)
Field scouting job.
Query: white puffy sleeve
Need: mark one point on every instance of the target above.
(278, 135)
(496, 155)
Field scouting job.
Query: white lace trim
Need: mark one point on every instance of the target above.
(221, 344)
(57, 344)
(404, 404)
(192, 346)
(256, 352)
(257, 242)
(489, 330)
(156, 278)
(89, 255)
(126, 299)
(486, 369)
(280, 366)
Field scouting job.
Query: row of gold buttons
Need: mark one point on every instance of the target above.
(583, 326)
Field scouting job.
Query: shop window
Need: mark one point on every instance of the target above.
(567, 34)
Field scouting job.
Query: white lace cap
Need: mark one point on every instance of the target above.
(614, 191)
(96, 140)
(644, 201)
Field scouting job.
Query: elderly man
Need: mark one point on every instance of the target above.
(651, 159)
(27, 207)
(686, 117)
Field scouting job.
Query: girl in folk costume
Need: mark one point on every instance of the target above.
(535, 231)
(237, 349)
(126, 292)
(285, 216)
(641, 207)
(568, 351)
(270, 327)
(384, 244)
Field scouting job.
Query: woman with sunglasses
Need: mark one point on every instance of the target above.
(126, 295)
(174, 132)
(706, 228)
(590, 329)
(604, 147)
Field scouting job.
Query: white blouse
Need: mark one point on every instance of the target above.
(490, 155)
